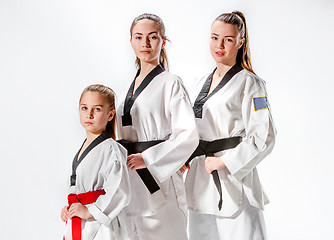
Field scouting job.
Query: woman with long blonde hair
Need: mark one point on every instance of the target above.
(236, 130)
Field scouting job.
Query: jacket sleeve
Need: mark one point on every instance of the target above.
(116, 186)
(259, 130)
(168, 157)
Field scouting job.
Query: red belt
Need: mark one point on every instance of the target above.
(83, 198)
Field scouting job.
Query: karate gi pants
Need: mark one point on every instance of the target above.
(169, 223)
(246, 224)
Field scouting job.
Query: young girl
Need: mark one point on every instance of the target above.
(157, 127)
(99, 182)
(233, 117)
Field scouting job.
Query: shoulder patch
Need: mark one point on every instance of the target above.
(260, 103)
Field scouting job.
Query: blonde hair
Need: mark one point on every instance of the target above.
(109, 95)
(237, 19)
(158, 21)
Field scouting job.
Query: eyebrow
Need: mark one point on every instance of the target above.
(224, 36)
(98, 105)
(148, 33)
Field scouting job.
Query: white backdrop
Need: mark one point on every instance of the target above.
(51, 50)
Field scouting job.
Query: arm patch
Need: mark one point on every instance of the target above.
(260, 103)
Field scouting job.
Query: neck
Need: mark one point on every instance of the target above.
(146, 68)
(91, 136)
(222, 69)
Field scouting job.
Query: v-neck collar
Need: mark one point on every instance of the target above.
(132, 96)
(203, 96)
(76, 161)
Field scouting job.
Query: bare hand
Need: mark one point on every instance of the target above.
(136, 161)
(64, 214)
(79, 210)
(213, 163)
(184, 168)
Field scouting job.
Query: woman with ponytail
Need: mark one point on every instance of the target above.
(233, 117)
(157, 126)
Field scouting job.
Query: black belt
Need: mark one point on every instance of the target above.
(144, 174)
(208, 149)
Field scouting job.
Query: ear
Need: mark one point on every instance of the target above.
(163, 43)
(241, 42)
(111, 115)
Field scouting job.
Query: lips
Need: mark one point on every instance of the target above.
(88, 123)
(219, 53)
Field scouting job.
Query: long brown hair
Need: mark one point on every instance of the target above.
(237, 19)
(109, 95)
(163, 54)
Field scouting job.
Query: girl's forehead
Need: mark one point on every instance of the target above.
(145, 25)
(220, 27)
(92, 96)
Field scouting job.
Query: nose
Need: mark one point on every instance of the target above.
(147, 42)
(220, 43)
(90, 114)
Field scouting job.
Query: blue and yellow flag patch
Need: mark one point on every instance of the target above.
(260, 103)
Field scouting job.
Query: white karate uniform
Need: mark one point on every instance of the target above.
(162, 111)
(230, 112)
(104, 167)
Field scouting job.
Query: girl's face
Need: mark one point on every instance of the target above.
(146, 41)
(225, 43)
(95, 112)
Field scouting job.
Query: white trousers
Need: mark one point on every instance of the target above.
(91, 230)
(170, 222)
(246, 224)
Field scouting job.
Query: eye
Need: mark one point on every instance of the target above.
(228, 40)
(84, 108)
(214, 38)
(138, 37)
(97, 109)
(154, 37)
